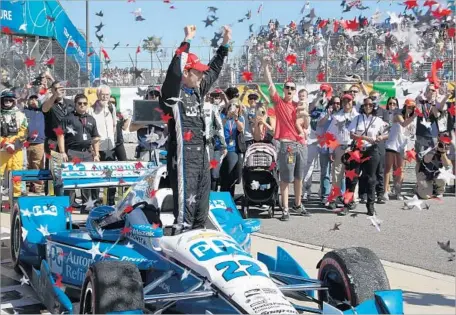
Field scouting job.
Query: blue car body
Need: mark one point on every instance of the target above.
(56, 252)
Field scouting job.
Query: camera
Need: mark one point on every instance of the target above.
(9, 129)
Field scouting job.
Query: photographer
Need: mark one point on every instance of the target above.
(13, 132)
(263, 129)
(431, 161)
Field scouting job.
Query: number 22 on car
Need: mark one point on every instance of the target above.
(235, 269)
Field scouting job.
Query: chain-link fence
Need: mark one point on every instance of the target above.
(25, 58)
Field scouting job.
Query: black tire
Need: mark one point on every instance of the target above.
(352, 274)
(16, 238)
(111, 286)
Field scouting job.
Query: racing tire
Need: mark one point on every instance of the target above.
(16, 238)
(112, 286)
(351, 274)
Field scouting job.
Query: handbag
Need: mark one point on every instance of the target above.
(241, 146)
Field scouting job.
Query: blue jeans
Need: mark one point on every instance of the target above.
(325, 174)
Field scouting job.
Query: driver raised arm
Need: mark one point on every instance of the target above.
(182, 97)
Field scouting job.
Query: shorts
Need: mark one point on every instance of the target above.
(292, 159)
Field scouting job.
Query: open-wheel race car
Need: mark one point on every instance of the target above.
(125, 259)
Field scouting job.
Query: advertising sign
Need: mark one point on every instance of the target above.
(48, 19)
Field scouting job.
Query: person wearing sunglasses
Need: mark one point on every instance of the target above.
(292, 157)
(80, 140)
(13, 133)
(369, 130)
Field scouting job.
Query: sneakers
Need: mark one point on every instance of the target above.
(344, 212)
(305, 196)
(332, 205)
(300, 210)
(285, 215)
(381, 199)
(386, 196)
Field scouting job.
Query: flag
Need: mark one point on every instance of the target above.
(401, 92)
(123, 96)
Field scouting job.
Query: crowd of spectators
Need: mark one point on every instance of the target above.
(328, 48)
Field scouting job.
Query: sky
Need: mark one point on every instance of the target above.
(160, 20)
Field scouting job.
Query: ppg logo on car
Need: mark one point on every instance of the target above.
(55, 258)
(209, 249)
(44, 210)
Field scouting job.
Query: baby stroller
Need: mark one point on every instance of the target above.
(259, 178)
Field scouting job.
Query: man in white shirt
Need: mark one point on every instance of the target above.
(106, 125)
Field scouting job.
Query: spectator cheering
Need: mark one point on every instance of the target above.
(292, 155)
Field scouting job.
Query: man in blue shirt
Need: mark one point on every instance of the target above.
(35, 139)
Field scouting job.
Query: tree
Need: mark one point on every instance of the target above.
(151, 44)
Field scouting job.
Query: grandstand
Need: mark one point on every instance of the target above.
(41, 30)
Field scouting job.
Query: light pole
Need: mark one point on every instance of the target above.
(87, 44)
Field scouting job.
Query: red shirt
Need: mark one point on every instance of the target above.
(285, 119)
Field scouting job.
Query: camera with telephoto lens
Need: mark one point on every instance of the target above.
(9, 129)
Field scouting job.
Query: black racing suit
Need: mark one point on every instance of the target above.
(188, 154)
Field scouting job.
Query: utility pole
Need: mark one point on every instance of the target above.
(87, 44)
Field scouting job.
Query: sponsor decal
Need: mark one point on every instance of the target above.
(252, 292)
(44, 210)
(214, 204)
(6, 15)
(54, 255)
(210, 249)
(139, 232)
(273, 308)
(135, 260)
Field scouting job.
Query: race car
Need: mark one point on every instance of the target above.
(128, 258)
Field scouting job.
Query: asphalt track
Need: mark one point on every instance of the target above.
(408, 237)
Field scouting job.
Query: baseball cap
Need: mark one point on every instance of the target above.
(348, 97)
(193, 62)
(410, 102)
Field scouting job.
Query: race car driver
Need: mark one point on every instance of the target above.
(13, 134)
(182, 97)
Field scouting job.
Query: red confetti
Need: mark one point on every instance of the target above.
(418, 112)
(273, 166)
(155, 225)
(166, 118)
(18, 40)
(313, 52)
(105, 54)
(429, 3)
(43, 91)
(172, 7)
(348, 196)
(51, 61)
(352, 24)
(58, 131)
(152, 193)
(229, 209)
(323, 23)
(410, 4)
(69, 209)
(440, 13)
(90, 54)
(247, 76)
(6, 30)
(452, 110)
(291, 59)
(26, 144)
(439, 64)
(47, 155)
(6, 206)
(397, 172)
(76, 160)
(213, 164)
(122, 181)
(321, 77)
(333, 144)
(125, 230)
(128, 209)
(335, 192)
(138, 49)
(30, 62)
(271, 45)
(188, 135)
(16, 179)
(351, 174)
(138, 165)
(58, 281)
(354, 156)
(451, 32)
